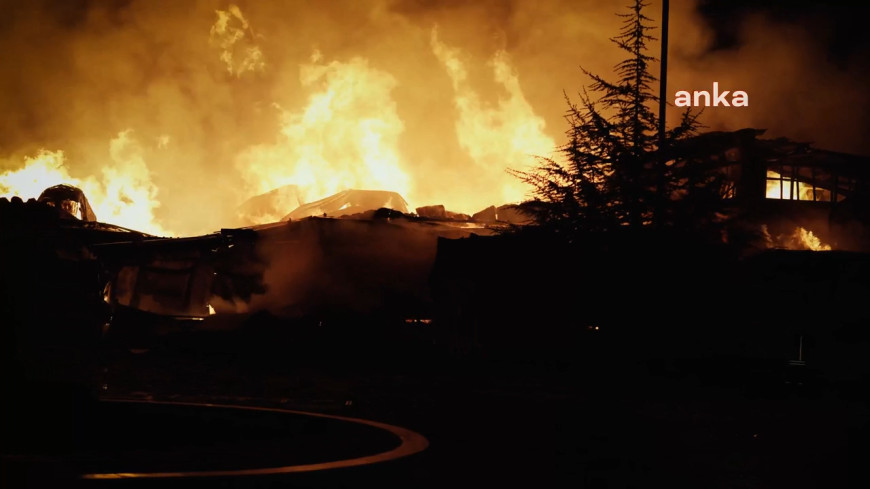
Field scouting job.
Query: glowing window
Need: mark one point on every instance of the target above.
(797, 183)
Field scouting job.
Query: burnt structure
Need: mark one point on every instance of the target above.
(533, 295)
(784, 184)
(71, 200)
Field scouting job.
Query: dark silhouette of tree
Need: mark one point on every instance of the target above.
(612, 174)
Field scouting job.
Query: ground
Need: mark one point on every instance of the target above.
(604, 419)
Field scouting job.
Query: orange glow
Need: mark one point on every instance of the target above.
(791, 190)
(809, 240)
(345, 138)
(233, 36)
(800, 239)
(434, 100)
(122, 195)
(348, 136)
(505, 135)
(240, 112)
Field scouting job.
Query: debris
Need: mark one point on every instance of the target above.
(487, 215)
(350, 202)
(271, 206)
(432, 212)
(512, 214)
(69, 199)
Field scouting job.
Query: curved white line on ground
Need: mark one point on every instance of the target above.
(411, 443)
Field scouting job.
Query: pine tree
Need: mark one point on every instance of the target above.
(612, 173)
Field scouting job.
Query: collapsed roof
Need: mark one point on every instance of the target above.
(350, 202)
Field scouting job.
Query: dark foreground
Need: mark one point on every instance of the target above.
(605, 419)
(662, 364)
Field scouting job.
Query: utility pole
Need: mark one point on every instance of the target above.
(663, 77)
(661, 191)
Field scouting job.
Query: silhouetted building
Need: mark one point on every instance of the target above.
(784, 184)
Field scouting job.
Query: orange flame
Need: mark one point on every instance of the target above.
(800, 239)
(348, 134)
(809, 241)
(124, 195)
(496, 138)
(792, 189)
(347, 137)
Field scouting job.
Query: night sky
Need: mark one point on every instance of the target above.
(836, 26)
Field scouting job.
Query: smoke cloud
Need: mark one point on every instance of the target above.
(222, 100)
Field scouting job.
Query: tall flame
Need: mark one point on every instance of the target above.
(344, 131)
(347, 136)
(390, 104)
(503, 136)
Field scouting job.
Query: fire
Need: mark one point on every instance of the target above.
(40, 172)
(124, 195)
(346, 138)
(348, 135)
(232, 34)
(238, 106)
(802, 191)
(809, 241)
(496, 138)
(349, 123)
(800, 239)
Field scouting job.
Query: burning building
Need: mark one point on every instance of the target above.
(799, 196)
(362, 251)
(303, 242)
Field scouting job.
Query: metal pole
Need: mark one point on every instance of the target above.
(661, 191)
(663, 77)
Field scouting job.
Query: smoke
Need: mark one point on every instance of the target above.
(349, 265)
(799, 87)
(219, 95)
